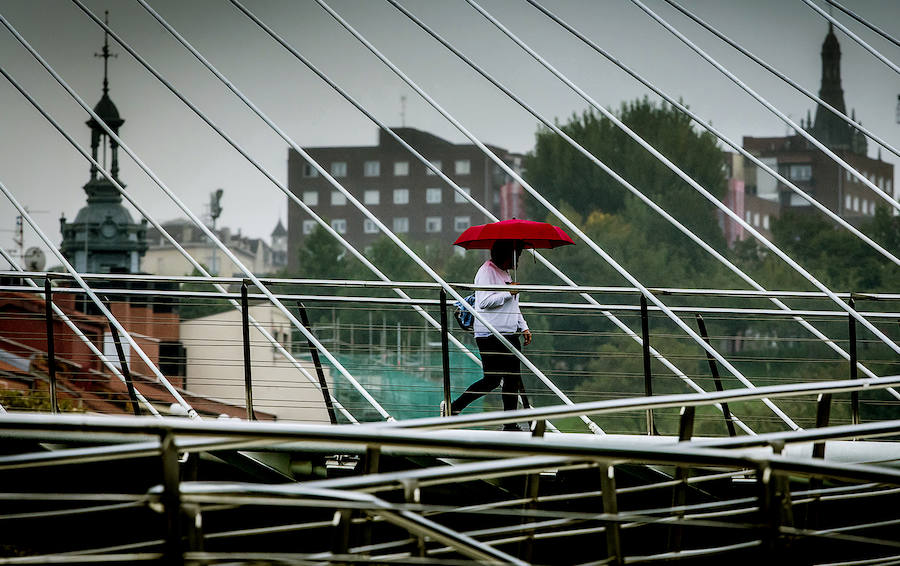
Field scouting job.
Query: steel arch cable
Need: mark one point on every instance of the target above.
(675, 169)
(536, 194)
(612, 173)
(864, 22)
(875, 53)
(412, 255)
(207, 232)
(294, 198)
(811, 139)
(97, 302)
(840, 351)
(168, 236)
(808, 93)
(615, 320)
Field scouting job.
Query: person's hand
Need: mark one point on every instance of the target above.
(527, 334)
(513, 293)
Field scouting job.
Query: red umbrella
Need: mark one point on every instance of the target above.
(531, 234)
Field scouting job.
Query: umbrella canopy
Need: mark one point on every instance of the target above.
(532, 235)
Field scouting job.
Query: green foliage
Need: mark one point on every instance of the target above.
(837, 257)
(194, 307)
(562, 174)
(32, 400)
(587, 355)
(321, 256)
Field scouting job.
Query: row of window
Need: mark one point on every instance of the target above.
(399, 225)
(754, 218)
(401, 168)
(373, 197)
(856, 204)
(884, 184)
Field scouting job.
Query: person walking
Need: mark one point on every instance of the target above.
(501, 310)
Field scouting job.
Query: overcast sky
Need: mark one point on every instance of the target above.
(46, 174)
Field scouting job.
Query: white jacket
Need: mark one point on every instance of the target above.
(499, 308)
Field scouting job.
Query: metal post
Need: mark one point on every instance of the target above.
(823, 414)
(679, 494)
(854, 395)
(51, 351)
(610, 507)
(171, 498)
(126, 375)
(413, 495)
(532, 488)
(445, 350)
(645, 347)
(714, 370)
(371, 464)
(245, 325)
(329, 406)
(343, 518)
(775, 510)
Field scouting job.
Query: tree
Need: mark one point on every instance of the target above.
(562, 174)
(321, 256)
(834, 255)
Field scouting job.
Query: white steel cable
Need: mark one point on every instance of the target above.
(609, 315)
(291, 196)
(890, 64)
(209, 234)
(412, 255)
(809, 94)
(168, 236)
(828, 341)
(437, 171)
(785, 118)
(864, 22)
(364, 260)
(675, 169)
(81, 336)
(99, 304)
(575, 229)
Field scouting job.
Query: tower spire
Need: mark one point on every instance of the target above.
(105, 54)
(828, 127)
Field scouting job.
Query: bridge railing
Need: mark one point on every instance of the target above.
(199, 341)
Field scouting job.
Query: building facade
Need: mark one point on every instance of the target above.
(401, 191)
(765, 198)
(162, 258)
(214, 354)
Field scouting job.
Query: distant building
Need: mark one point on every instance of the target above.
(410, 199)
(214, 354)
(163, 259)
(765, 199)
(279, 245)
(103, 238)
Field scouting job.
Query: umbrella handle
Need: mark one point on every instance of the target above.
(515, 269)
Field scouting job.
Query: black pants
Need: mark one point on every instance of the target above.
(500, 365)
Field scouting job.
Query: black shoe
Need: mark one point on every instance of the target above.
(513, 427)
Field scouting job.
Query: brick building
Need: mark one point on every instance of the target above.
(409, 198)
(765, 199)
